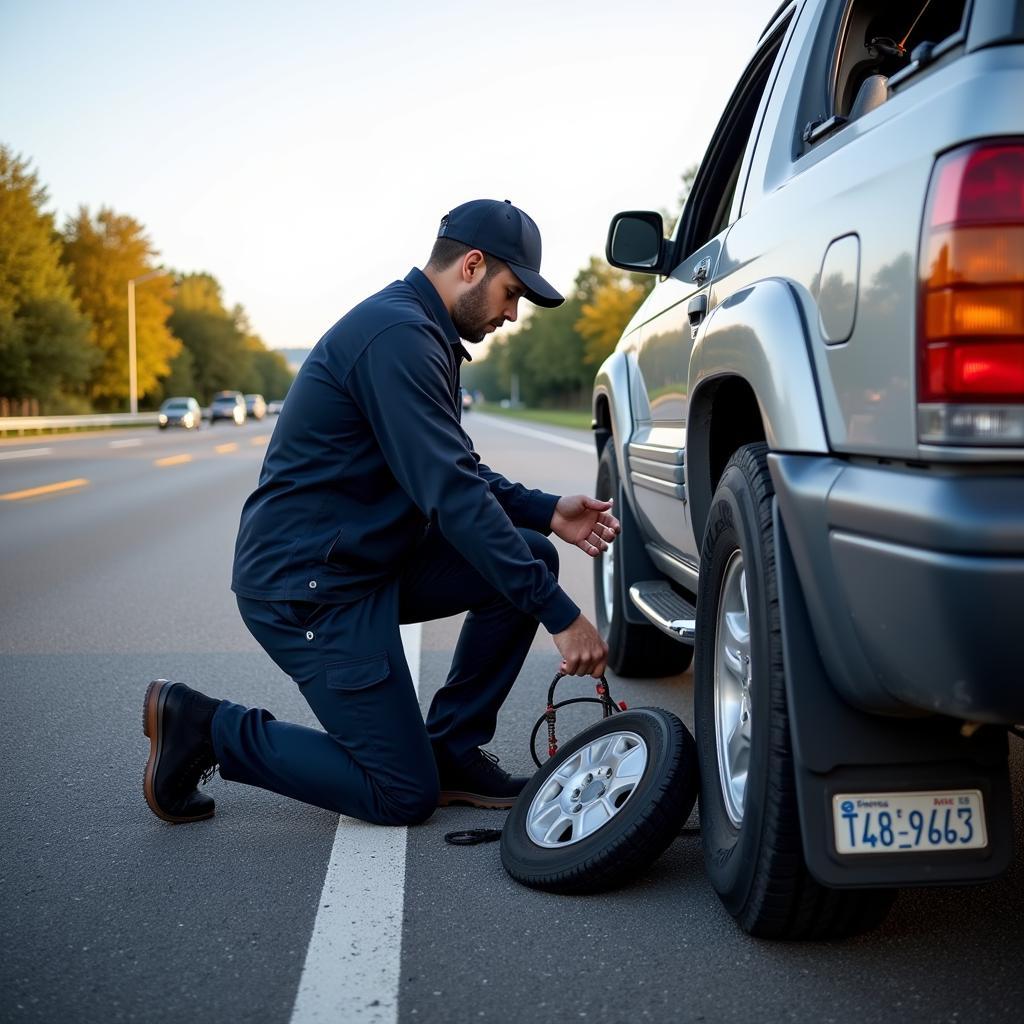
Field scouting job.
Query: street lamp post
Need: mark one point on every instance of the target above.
(133, 375)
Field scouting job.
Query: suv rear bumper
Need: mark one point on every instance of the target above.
(914, 582)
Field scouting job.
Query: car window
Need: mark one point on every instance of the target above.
(710, 204)
(874, 44)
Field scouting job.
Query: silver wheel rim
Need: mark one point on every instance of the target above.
(587, 791)
(732, 687)
(608, 582)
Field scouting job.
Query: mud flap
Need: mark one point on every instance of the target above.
(839, 749)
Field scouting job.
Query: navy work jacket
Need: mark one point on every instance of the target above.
(368, 452)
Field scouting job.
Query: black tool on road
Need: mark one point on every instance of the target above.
(473, 836)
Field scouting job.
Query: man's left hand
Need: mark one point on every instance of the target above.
(585, 522)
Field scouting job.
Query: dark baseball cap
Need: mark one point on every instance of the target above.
(502, 230)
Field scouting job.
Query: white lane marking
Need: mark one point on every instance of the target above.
(353, 963)
(128, 442)
(515, 428)
(25, 453)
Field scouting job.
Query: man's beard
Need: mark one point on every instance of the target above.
(470, 313)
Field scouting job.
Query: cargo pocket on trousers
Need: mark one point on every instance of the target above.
(358, 674)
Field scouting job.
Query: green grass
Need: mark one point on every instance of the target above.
(576, 419)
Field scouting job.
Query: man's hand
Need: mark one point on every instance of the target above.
(585, 522)
(583, 651)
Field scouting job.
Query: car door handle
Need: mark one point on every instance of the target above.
(697, 309)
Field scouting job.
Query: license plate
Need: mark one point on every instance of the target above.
(902, 822)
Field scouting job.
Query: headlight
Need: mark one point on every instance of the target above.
(163, 418)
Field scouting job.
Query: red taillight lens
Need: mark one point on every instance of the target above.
(980, 185)
(993, 372)
(971, 315)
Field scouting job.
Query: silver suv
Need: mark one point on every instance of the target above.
(814, 429)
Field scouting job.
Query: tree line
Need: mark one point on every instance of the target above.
(64, 313)
(554, 355)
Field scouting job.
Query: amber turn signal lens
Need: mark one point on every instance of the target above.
(974, 312)
(975, 255)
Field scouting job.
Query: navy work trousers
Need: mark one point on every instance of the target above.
(376, 759)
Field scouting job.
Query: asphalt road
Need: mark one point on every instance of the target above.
(109, 914)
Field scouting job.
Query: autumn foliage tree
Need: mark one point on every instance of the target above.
(102, 255)
(556, 352)
(45, 348)
(603, 319)
(221, 350)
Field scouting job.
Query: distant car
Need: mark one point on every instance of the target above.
(274, 407)
(256, 406)
(467, 399)
(228, 405)
(180, 412)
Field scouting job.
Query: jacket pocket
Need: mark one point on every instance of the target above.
(297, 613)
(358, 674)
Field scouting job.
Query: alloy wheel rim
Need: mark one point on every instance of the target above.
(733, 709)
(587, 791)
(608, 582)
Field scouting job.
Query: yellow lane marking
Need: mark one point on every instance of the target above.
(173, 460)
(34, 492)
(223, 449)
(260, 439)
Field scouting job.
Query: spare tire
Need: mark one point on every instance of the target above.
(605, 807)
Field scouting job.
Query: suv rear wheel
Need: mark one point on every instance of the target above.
(750, 822)
(634, 649)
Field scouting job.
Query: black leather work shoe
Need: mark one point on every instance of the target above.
(177, 721)
(479, 782)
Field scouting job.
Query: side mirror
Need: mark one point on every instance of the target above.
(636, 241)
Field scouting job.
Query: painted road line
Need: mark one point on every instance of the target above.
(260, 439)
(223, 449)
(565, 442)
(353, 963)
(128, 442)
(173, 460)
(25, 453)
(35, 492)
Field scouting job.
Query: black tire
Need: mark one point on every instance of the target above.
(757, 866)
(646, 821)
(634, 649)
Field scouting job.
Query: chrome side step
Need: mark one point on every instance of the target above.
(668, 611)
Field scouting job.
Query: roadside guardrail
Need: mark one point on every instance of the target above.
(23, 424)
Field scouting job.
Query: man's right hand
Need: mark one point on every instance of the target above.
(583, 651)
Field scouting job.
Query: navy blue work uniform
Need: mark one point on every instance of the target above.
(373, 510)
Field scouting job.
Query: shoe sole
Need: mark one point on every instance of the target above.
(152, 717)
(456, 797)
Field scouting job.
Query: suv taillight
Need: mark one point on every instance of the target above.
(970, 385)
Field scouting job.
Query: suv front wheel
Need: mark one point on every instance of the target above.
(750, 821)
(634, 649)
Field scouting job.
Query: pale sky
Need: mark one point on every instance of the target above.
(304, 152)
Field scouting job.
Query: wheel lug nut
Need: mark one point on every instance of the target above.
(577, 809)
